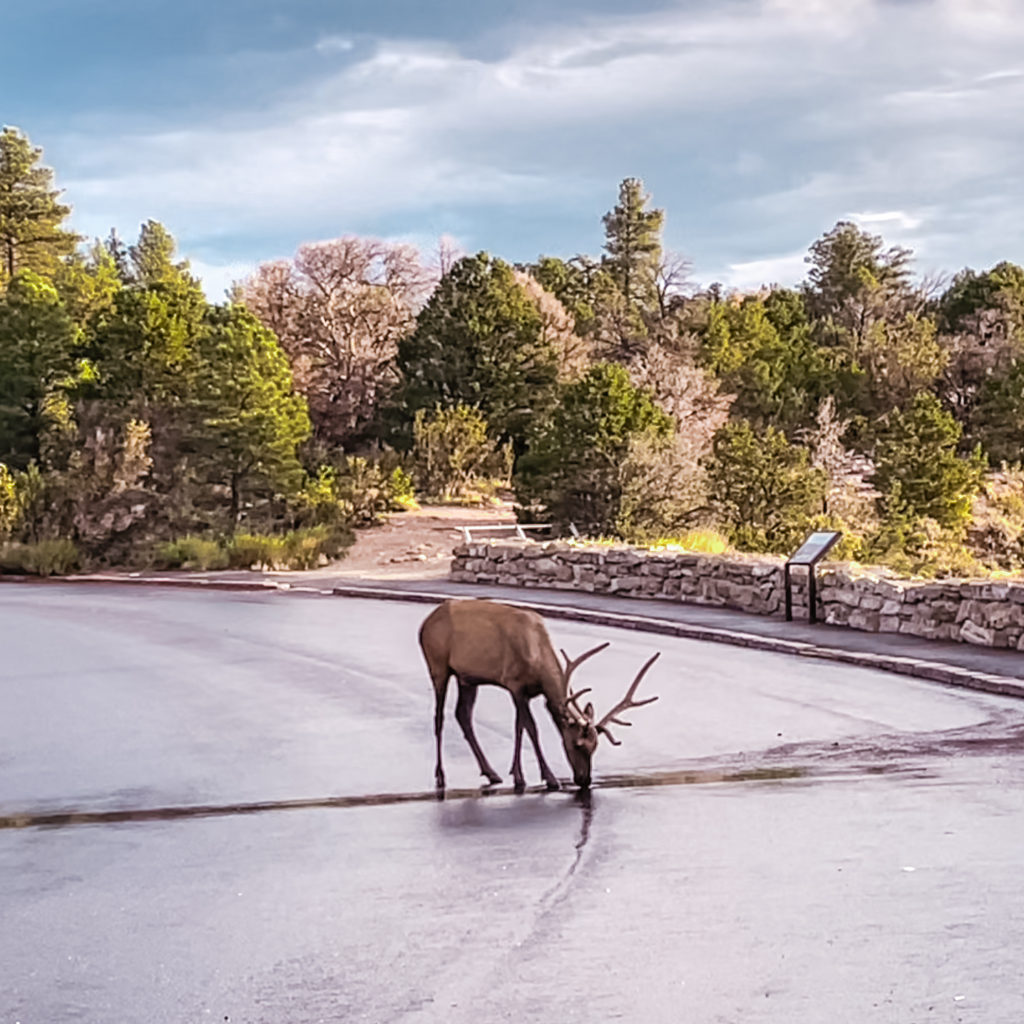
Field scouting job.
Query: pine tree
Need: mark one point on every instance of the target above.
(31, 236)
(853, 283)
(998, 423)
(152, 257)
(765, 487)
(572, 469)
(633, 244)
(917, 461)
(479, 341)
(37, 340)
(248, 420)
(119, 254)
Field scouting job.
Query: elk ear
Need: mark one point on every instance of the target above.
(588, 712)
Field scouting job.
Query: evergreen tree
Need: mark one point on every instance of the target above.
(119, 254)
(916, 459)
(583, 286)
(37, 341)
(152, 257)
(853, 282)
(248, 422)
(479, 341)
(633, 244)
(88, 284)
(143, 348)
(572, 469)
(981, 317)
(142, 353)
(31, 236)
(763, 351)
(765, 487)
(999, 290)
(999, 417)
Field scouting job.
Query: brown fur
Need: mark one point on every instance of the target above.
(489, 643)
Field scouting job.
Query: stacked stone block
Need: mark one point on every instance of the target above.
(978, 612)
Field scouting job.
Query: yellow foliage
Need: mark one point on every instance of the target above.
(707, 542)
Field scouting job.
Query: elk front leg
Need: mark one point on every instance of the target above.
(440, 692)
(524, 719)
(464, 716)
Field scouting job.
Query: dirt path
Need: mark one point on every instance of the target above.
(415, 545)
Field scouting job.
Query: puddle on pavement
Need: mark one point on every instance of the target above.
(634, 780)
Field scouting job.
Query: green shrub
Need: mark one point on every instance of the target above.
(307, 548)
(9, 509)
(453, 454)
(190, 552)
(403, 492)
(572, 470)
(256, 551)
(56, 557)
(764, 487)
(918, 471)
(302, 548)
(298, 549)
(366, 487)
(320, 501)
(353, 492)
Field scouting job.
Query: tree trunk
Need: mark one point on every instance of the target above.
(236, 501)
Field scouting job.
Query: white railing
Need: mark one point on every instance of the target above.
(518, 528)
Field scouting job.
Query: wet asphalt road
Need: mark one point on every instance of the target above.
(776, 840)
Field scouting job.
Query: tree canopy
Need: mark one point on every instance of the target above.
(479, 341)
(633, 243)
(605, 390)
(31, 235)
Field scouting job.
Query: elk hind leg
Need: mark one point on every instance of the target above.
(464, 716)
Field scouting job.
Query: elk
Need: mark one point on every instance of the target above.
(484, 642)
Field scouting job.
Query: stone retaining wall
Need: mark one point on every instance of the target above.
(979, 612)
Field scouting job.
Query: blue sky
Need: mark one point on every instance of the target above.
(250, 126)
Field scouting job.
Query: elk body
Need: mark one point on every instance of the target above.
(488, 643)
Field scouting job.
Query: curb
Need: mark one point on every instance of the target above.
(920, 668)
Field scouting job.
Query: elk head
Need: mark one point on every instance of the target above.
(577, 725)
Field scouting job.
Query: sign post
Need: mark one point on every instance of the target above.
(812, 551)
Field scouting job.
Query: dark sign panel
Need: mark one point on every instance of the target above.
(809, 553)
(814, 548)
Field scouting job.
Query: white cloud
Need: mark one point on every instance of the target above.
(786, 269)
(897, 218)
(806, 109)
(333, 44)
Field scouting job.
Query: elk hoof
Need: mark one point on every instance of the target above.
(493, 779)
(553, 785)
(519, 786)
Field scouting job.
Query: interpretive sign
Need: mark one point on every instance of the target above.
(812, 551)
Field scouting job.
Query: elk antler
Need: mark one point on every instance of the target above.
(570, 666)
(574, 700)
(626, 703)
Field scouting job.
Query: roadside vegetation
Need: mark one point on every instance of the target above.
(141, 424)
